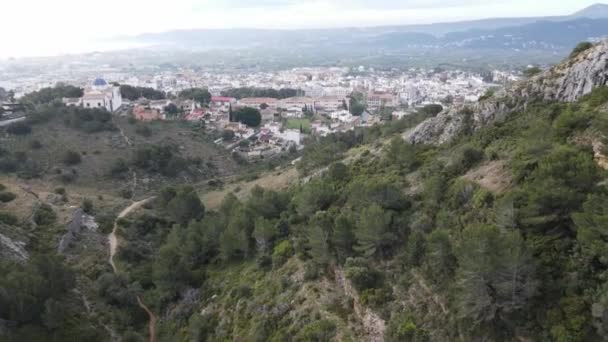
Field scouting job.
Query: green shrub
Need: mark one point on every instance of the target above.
(8, 218)
(87, 206)
(530, 72)
(282, 252)
(143, 130)
(376, 297)
(360, 274)
(311, 271)
(118, 168)
(464, 159)
(488, 94)
(35, 144)
(319, 331)
(570, 120)
(581, 47)
(45, 215)
(68, 177)
(71, 158)
(126, 193)
(402, 328)
(6, 197)
(19, 128)
(106, 223)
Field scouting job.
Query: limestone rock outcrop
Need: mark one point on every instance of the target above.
(565, 82)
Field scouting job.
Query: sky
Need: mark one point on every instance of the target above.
(53, 27)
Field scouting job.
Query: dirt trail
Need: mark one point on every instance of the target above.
(151, 321)
(372, 323)
(113, 240)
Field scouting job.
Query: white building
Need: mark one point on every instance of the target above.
(292, 135)
(330, 103)
(102, 95)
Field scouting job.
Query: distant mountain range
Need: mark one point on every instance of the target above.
(555, 35)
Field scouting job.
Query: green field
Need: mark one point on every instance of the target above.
(297, 123)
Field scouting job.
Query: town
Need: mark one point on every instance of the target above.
(263, 114)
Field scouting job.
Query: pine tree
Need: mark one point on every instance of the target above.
(495, 275)
(343, 237)
(373, 230)
(318, 238)
(230, 114)
(264, 233)
(234, 241)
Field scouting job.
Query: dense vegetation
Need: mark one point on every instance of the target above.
(196, 94)
(527, 261)
(240, 93)
(248, 116)
(583, 46)
(48, 95)
(422, 236)
(134, 93)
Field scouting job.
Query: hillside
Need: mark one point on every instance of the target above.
(490, 229)
(63, 149)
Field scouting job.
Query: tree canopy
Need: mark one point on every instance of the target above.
(249, 116)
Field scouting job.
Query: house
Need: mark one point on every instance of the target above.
(341, 115)
(267, 114)
(330, 103)
(257, 102)
(159, 105)
(320, 129)
(293, 112)
(143, 113)
(223, 101)
(239, 129)
(377, 100)
(293, 135)
(299, 101)
(197, 114)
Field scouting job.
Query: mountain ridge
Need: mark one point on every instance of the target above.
(566, 82)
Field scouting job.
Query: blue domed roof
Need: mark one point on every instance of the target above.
(100, 82)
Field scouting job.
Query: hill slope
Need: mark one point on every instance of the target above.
(401, 243)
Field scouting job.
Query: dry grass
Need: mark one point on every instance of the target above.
(25, 202)
(99, 151)
(493, 176)
(275, 180)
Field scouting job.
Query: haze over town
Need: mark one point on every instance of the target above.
(58, 31)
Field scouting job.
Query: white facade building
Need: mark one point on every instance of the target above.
(102, 95)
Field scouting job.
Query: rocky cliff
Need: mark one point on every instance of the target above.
(566, 82)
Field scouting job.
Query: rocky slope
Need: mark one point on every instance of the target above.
(565, 82)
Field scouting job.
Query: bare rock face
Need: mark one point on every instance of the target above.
(442, 128)
(79, 223)
(566, 82)
(11, 249)
(569, 81)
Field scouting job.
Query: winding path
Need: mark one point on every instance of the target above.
(113, 242)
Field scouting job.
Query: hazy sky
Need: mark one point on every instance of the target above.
(48, 27)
